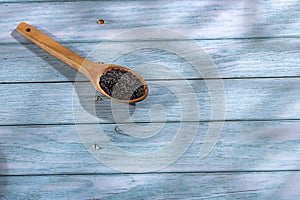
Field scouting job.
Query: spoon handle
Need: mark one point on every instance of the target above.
(51, 46)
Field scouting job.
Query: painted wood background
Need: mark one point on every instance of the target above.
(256, 48)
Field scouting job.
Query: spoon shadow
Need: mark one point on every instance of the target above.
(58, 65)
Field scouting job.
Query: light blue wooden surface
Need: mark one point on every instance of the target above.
(255, 46)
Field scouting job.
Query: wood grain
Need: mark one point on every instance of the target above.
(255, 45)
(195, 19)
(242, 146)
(251, 99)
(233, 58)
(155, 186)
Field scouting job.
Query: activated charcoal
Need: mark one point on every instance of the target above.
(121, 84)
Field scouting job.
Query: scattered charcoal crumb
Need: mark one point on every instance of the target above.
(96, 147)
(98, 98)
(121, 84)
(100, 21)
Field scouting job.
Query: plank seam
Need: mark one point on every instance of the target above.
(200, 121)
(189, 79)
(156, 173)
(165, 40)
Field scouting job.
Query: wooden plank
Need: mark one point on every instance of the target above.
(57, 149)
(260, 157)
(177, 100)
(155, 186)
(233, 58)
(195, 19)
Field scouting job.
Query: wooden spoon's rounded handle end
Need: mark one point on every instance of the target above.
(24, 28)
(51, 46)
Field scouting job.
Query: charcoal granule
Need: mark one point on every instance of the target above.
(121, 84)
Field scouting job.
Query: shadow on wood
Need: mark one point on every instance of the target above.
(51, 60)
(86, 98)
(3, 178)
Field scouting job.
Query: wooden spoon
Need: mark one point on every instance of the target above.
(93, 71)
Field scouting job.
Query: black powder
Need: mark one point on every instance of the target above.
(121, 84)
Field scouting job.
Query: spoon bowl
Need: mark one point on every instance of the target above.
(114, 81)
